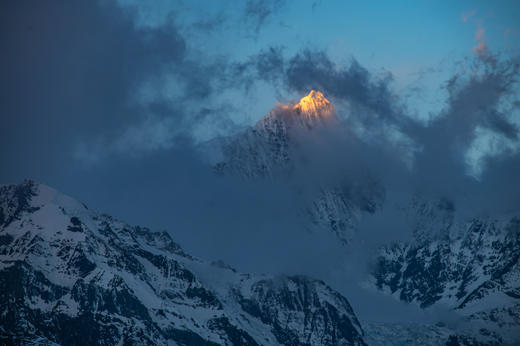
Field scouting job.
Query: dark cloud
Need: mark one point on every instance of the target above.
(72, 72)
(502, 192)
(475, 101)
(499, 123)
(68, 70)
(268, 65)
(369, 97)
(258, 12)
(314, 70)
(210, 24)
(482, 96)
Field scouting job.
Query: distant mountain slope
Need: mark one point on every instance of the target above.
(471, 266)
(283, 142)
(71, 276)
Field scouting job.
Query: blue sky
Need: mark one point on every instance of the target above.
(419, 42)
(388, 32)
(112, 102)
(102, 80)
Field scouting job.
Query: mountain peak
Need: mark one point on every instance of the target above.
(314, 104)
(311, 110)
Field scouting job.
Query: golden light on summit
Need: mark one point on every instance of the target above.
(314, 103)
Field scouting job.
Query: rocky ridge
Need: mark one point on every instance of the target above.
(69, 275)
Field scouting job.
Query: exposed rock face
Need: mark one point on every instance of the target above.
(273, 144)
(282, 142)
(71, 276)
(313, 314)
(470, 266)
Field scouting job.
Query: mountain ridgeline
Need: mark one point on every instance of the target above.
(289, 142)
(71, 276)
(469, 266)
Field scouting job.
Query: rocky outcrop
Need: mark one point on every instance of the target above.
(71, 276)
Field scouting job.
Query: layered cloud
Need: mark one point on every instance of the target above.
(133, 96)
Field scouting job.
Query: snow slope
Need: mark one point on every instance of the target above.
(283, 143)
(470, 266)
(69, 275)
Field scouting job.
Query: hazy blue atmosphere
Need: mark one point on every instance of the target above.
(117, 102)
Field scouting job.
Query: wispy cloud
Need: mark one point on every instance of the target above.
(467, 15)
(257, 13)
(480, 46)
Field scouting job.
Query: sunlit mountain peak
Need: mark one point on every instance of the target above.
(312, 110)
(314, 104)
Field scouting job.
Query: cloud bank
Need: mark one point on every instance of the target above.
(108, 111)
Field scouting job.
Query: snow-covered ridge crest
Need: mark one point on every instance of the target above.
(70, 275)
(314, 104)
(304, 140)
(470, 266)
(312, 111)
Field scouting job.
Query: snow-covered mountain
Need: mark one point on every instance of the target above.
(274, 144)
(469, 266)
(271, 146)
(283, 142)
(69, 275)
